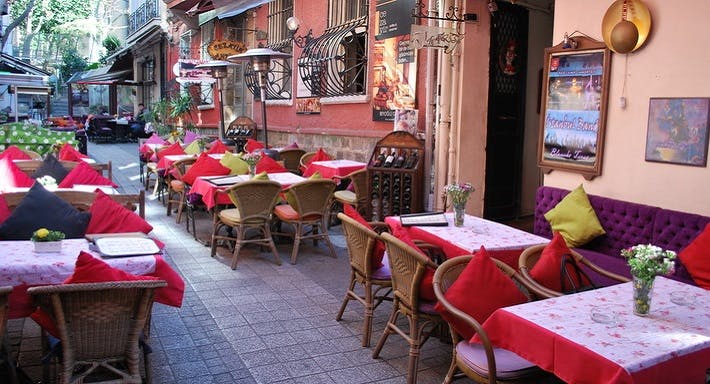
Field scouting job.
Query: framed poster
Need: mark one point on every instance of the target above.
(573, 108)
(678, 130)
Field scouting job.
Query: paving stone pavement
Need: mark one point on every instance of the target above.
(261, 323)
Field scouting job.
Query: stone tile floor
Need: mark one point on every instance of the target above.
(261, 323)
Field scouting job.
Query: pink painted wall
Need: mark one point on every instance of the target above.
(673, 63)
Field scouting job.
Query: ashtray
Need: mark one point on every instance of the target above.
(682, 298)
(603, 314)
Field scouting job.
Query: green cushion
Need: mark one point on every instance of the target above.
(194, 148)
(236, 165)
(575, 219)
(261, 176)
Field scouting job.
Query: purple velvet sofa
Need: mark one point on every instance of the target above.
(626, 224)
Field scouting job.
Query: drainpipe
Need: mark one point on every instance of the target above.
(444, 118)
(430, 118)
(454, 127)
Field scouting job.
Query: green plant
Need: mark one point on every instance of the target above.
(44, 234)
(647, 261)
(181, 105)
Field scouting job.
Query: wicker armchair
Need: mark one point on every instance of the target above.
(175, 185)
(291, 158)
(407, 266)
(305, 158)
(312, 205)
(478, 360)
(5, 352)
(358, 196)
(100, 327)
(531, 255)
(254, 201)
(361, 245)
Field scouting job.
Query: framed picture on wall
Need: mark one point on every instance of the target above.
(678, 130)
(575, 87)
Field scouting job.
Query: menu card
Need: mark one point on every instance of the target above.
(437, 219)
(127, 245)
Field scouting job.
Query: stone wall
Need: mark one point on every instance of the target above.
(342, 147)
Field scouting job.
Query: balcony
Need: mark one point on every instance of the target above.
(143, 15)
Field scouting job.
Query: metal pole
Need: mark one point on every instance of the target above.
(262, 86)
(220, 134)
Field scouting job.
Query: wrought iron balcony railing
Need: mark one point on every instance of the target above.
(143, 15)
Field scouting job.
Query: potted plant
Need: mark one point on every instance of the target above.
(46, 241)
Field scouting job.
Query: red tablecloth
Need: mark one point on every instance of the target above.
(671, 345)
(208, 190)
(21, 268)
(333, 168)
(503, 242)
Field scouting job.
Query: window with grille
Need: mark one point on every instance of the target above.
(185, 46)
(344, 11)
(148, 80)
(207, 35)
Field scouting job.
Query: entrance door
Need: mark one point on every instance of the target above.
(506, 111)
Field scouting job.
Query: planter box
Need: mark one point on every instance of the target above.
(47, 246)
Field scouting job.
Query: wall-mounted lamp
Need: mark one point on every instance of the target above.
(293, 23)
(626, 25)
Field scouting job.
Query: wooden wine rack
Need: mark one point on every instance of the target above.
(394, 191)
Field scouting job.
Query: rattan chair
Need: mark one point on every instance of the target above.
(311, 211)
(32, 154)
(303, 161)
(478, 360)
(291, 158)
(254, 201)
(176, 186)
(5, 352)
(361, 246)
(407, 266)
(358, 196)
(151, 168)
(531, 255)
(100, 327)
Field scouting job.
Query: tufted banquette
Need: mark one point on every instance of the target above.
(626, 224)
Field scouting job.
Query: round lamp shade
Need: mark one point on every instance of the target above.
(628, 35)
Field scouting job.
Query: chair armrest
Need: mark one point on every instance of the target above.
(379, 226)
(434, 252)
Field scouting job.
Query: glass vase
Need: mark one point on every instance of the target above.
(643, 290)
(252, 170)
(459, 214)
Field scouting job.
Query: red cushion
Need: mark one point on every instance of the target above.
(426, 287)
(204, 166)
(480, 289)
(11, 176)
(84, 174)
(218, 147)
(4, 210)
(109, 216)
(547, 269)
(320, 155)
(175, 149)
(14, 153)
(70, 153)
(269, 165)
(696, 259)
(88, 269)
(252, 145)
(379, 251)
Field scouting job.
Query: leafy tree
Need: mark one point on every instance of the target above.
(72, 62)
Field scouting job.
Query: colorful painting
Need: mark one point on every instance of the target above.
(678, 131)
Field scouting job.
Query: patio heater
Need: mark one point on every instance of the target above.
(218, 70)
(260, 59)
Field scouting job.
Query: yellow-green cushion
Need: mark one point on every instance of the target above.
(261, 176)
(193, 148)
(315, 176)
(575, 219)
(236, 165)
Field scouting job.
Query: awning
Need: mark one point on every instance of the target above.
(101, 76)
(231, 8)
(30, 89)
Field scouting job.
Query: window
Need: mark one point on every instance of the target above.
(344, 11)
(279, 12)
(207, 35)
(186, 46)
(148, 80)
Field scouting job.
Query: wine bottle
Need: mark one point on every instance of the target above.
(380, 158)
(390, 159)
(411, 160)
(400, 160)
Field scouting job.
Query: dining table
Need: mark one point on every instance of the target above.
(595, 337)
(208, 187)
(503, 242)
(333, 169)
(21, 268)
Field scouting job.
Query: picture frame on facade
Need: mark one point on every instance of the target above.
(575, 90)
(678, 130)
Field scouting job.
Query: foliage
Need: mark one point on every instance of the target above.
(43, 234)
(181, 105)
(112, 44)
(72, 62)
(647, 261)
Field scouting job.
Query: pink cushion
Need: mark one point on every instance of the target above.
(14, 153)
(11, 176)
(204, 166)
(84, 174)
(252, 145)
(696, 259)
(269, 165)
(293, 145)
(547, 270)
(218, 147)
(480, 289)
(379, 251)
(155, 139)
(87, 269)
(70, 153)
(190, 137)
(109, 216)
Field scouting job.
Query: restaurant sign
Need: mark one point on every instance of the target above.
(222, 49)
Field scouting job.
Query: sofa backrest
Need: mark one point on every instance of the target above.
(625, 223)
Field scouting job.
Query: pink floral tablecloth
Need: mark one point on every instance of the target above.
(333, 168)
(21, 267)
(671, 345)
(505, 243)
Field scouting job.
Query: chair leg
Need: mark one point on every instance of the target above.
(296, 242)
(347, 298)
(452, 368)
(9, 361)
(369, 312)
(237, 247)
(388, 330)
(183, 195)
(326, 237)
(272, 245)
(414, 350)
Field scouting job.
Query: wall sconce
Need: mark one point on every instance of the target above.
(293, 23)
(626, 25)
